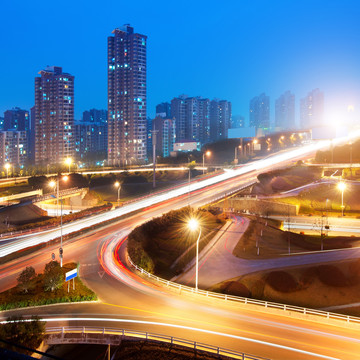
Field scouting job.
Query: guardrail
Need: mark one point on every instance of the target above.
(60, 335)
(248, 301)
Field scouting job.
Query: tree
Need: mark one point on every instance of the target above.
(53, 276)
(26, 280)
(23, 333)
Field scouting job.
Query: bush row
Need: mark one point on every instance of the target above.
(26, 303)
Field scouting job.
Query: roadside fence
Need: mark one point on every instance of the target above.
(113, 336)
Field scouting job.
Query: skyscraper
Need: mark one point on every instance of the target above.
(312, 109)
(260, 112)
(285, 111)
(54, 116)
(178, 113)
(220, 119)
(126, 96)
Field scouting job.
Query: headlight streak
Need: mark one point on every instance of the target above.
(22, 242)
(190, 328)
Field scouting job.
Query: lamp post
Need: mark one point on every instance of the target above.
(7, 167)
(342, 186)
(68, 161)
(118, 186)
(56, 184)
(193, 225)
(207, 153)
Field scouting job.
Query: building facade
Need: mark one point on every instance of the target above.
(179, 114)
(220, 119)
(13, 148)
(16, 119)
(163, 110)
(312, 109)
(285, 111)
(165, 135)
(259, 115)
(90, 140)
(54, 116)
(95, 116)
(126, 97)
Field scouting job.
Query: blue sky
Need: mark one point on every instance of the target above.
(232, 50)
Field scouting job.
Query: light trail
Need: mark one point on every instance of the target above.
(25, 241)
(190, 328)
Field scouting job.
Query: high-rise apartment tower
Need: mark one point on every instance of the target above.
(285, 111)
(126, 97)
(54, 116)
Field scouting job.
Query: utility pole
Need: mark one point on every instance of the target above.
(289, 248)
(153, 137)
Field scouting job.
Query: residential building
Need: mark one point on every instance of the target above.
(237, 121)
(220, 119)
(164, 110)
(126, 97)
(54, 116)
(165, 135)
(312, 109)
(285, 111)
(90, 140)
(16, 119)
(13, 148)
(95, 116)
(178, 113)
(259, 116)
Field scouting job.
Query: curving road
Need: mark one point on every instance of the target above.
(130, 301)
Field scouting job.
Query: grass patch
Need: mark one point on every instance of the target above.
(158, 243)
(311, 286)
(266, 235)
(15, 298)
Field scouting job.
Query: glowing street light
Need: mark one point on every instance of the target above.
(68, 161)
(118, 186)
(193, 225)
(207, 153)
(342, 186)
(55, 185)
(7, 167)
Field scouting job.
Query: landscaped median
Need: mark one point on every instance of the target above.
(46, 288)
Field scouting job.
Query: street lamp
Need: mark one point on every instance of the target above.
(193, 225)
(342, 186)
(7, 167)
(118, 186)
(207, 153)
(56, 185)
(68, 161)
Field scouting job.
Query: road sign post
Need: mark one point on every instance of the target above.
(72, 274)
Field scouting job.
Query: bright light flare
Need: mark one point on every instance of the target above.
(193, 224)
(341, 186)
(52, 183)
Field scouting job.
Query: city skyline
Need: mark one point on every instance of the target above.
(318, 55)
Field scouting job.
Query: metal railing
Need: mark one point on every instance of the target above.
(113, 336)
(248, 301)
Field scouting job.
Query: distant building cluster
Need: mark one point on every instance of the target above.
(311, 112)
(193, 120)
(122, 134)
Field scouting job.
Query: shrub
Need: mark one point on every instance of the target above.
(332, 276)
(281, 281)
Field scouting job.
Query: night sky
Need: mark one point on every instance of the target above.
(231, 50)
